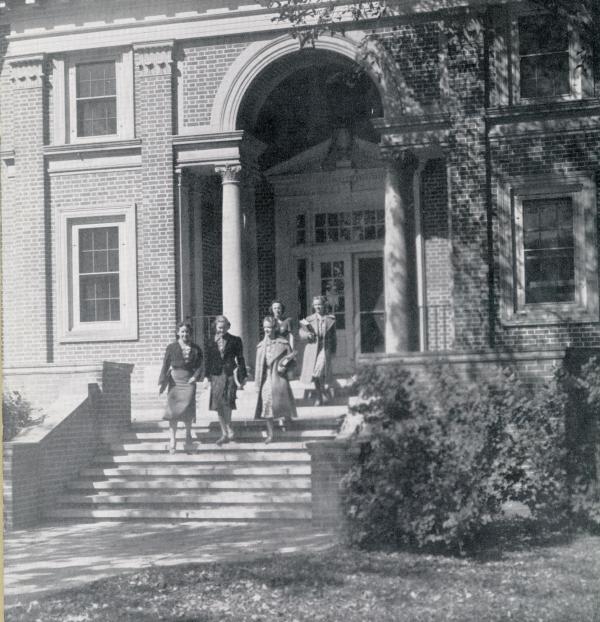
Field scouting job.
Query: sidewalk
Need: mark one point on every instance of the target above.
(55, 557)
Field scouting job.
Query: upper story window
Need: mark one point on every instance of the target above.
(96, 94)
(92, 96)
(543, 57)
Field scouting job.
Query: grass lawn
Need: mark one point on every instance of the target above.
(558, 582)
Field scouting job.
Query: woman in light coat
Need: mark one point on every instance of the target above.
(274, 359)
(318, 330)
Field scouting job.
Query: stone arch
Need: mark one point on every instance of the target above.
(257, 57)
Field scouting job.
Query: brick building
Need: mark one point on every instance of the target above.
(173, 159)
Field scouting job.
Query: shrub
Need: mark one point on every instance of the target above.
(581, 384)
(17, 414)
(446, 455)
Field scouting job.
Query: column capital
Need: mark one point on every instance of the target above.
(27, 71)
(230, 173)
(405, 159)
(154, 59)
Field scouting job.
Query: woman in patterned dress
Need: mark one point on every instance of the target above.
(181, 369)
(274, 358)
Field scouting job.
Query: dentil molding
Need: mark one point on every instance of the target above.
(154, 59)
(27, 71)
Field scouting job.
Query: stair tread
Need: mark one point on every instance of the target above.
(209, 446)
(231, 469)
(289, 483)
(208, 499)
(227, 513)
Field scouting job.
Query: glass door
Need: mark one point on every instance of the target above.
(370, 304)
(331, 277)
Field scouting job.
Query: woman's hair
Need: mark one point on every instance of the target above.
(268, 319)
(183, 323)
(221, 318)
(277, 302)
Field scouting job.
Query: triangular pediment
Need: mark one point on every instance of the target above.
(335, 153)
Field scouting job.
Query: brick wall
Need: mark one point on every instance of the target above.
(211, 246)
(265, 234)
(438, 268)
(40, 461)
(203, 66)
(156, 224)
(569, 153)
(24, 259)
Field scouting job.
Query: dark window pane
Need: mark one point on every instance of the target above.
(542, 33)
(372, 333)
(102, 310)
(370, 233)
(370, 284)
(325, 269)
(115, 310)
(332, 220)
(86, 237)
(333, 235)
(86, 263)
(87, 311)
(340, 321)
(320, 220)
(113, 261)
(96, 117)
(320, 235)
(100, 261)
(301, 287)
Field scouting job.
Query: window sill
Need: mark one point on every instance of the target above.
(96, 335)
(111, 144)
(551, 315)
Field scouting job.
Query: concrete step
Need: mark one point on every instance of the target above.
(178, 497)
(215, 471)
(208, 447)
(235, 456)
(226, 514)
(285, 482)
(244, 434)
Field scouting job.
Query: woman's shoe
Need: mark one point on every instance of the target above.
(268, 440)
(171, 450)
(189, 445)
(222, 440)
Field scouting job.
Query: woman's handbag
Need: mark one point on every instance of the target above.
(286, 364)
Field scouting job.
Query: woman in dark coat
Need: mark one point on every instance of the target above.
(274, 358)
(318, 330)
(181, 369)
(226, 370)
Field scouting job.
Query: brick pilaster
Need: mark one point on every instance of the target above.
(24, 253)
(156, 216)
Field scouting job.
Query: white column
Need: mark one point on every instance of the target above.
(232, 227)
(399, 257)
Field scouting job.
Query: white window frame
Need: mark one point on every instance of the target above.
(65, 91)
(575, 72)
(582, 192)
(70, 221)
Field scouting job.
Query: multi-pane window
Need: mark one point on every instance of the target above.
(333, 288)
(543, 57)
(99, 294)
(96, 96)
(349, 226)
(549, 250)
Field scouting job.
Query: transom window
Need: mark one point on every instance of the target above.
(543, 57)
(549, 250)
(99, 297)
(96, 94)
(343, 226)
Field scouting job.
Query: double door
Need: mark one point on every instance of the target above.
(353, 286)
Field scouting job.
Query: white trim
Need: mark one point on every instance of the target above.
(59, 101)
(585, 308)
(256, 57)
(69, 327)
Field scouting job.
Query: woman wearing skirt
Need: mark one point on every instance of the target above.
(274, 359)
(182, 367)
